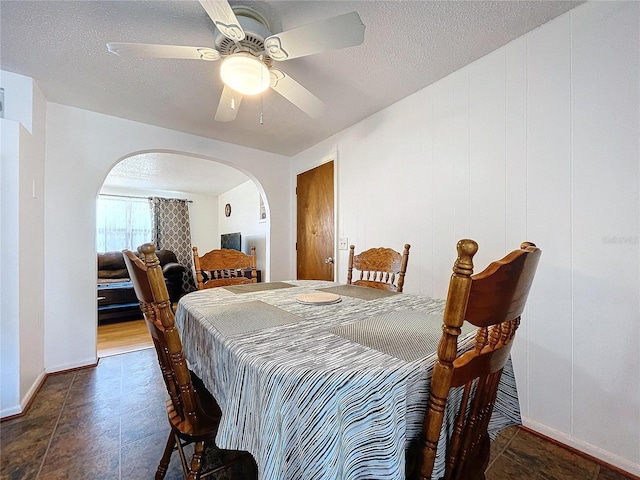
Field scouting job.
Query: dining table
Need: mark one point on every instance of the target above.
(322, 380)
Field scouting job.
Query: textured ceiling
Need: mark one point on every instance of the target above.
(408, 45)
(167, 172)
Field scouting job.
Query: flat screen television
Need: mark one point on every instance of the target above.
(231, 241)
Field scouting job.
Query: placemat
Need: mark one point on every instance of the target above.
(257, 287)
(246, 317)
(363, 293)
(405, 334)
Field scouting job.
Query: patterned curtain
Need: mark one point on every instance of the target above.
(171, 231)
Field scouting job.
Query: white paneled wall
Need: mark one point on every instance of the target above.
(549, 210)
(537, 141)
(487, 132)
(606, 307)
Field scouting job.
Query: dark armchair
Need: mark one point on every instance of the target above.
(173, 272)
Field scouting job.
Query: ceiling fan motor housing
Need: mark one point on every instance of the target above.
(256, 31)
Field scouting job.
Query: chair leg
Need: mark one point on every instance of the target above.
(166, 457)
(196, 461)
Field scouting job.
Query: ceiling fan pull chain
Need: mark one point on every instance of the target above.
(262, 95)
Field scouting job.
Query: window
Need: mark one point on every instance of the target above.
(122, 222)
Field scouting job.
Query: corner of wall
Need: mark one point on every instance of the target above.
(18, 98)
(22, 234)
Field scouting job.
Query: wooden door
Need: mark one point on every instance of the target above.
(315, 224)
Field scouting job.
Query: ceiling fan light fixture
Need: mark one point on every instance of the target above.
(245, 74)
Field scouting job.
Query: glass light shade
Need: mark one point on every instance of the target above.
(245, 74)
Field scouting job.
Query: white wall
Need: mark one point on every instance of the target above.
(81, 148)
(19, 98)
(537, 141)
(22, 242)
(54, 296)
(245, 218)
(31, 248)
(9, 269)
(203, 213)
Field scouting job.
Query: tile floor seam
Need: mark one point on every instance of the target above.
(517, 459)
(55, 427)
(493, 461)
(523, 466)
(501, 452)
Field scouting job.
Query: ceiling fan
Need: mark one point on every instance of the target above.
(250, 50)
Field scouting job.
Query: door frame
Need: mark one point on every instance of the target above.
(333, 157)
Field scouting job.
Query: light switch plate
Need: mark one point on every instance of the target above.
(343, 244)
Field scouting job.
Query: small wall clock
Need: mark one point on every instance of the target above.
(227, 210)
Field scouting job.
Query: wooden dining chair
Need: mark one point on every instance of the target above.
(194, 415)
(381, 268)
(222, 267)
(493, 301)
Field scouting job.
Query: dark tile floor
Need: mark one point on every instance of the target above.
(109, 422)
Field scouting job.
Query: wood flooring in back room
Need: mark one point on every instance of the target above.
(123, 337)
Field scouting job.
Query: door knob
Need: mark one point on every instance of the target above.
(328, 260)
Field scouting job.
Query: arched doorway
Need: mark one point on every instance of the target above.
(208, 185)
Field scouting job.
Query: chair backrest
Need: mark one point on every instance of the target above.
(379, 268)
(218, 268)
(493, 301)
(151, 291)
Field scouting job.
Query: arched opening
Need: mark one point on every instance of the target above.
(220, 200)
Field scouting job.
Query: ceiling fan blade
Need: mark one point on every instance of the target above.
(148, 50)
(229, 105)
(330, 34)
(296, 93)
(223, 17)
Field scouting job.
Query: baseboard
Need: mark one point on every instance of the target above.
(11, 412)
(89, 362)
(30, 395)
(596, 453)
(25, 403)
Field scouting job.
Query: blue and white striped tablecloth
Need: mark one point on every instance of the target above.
(310, 392)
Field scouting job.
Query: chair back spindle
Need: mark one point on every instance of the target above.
(222, 267)
(194, 415)
(493, 301)
(151, 290)
(381, 268)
